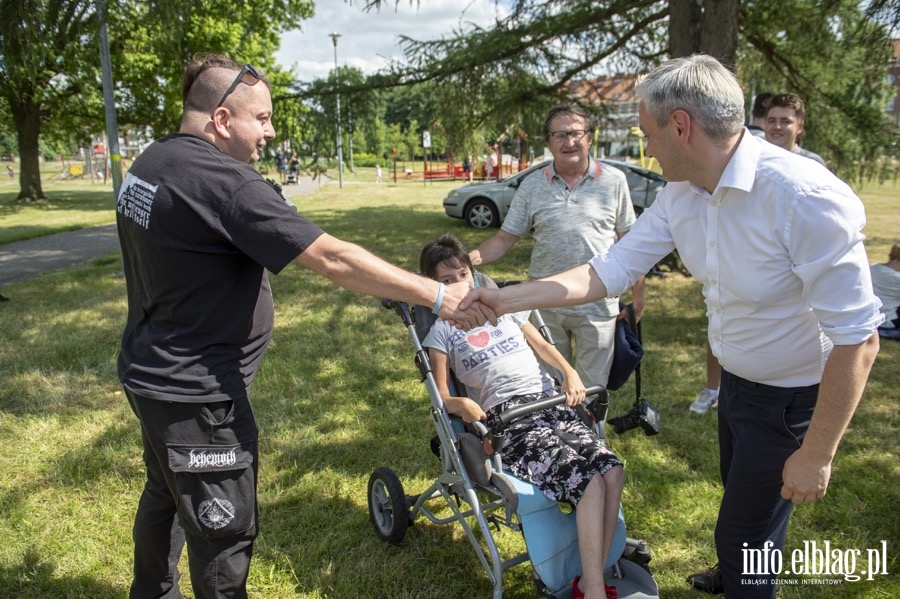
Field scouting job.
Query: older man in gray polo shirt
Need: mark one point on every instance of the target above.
(576, 207)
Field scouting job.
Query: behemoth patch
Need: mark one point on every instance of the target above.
(215, 513)
(209, 458)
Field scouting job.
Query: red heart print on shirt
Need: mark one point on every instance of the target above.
(479, 340)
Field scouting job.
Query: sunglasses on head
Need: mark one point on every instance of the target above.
(246, 71)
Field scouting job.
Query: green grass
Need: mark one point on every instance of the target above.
(338, 396)
(70, 205)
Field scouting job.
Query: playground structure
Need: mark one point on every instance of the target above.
(452, 171)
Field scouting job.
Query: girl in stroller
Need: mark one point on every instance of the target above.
(553, 449)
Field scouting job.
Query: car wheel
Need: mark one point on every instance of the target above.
(482, 214)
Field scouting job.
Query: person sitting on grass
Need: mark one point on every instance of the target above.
(886, 284)
(500, 372)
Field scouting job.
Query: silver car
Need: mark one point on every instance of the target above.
(484, 205)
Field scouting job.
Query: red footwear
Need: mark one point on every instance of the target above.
(611, 591)
(576, 592)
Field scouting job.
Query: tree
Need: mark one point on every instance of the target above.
(376, 139)
(40, 46)
(842, 83)
(533, 57)
(521, 64)
(359, 108)
(49, 61)
(709, 27)
(7, 130)
(482, 81)
(398, 141)
(288, 121)
(152, 41)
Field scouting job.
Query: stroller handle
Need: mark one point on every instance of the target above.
(511, 414)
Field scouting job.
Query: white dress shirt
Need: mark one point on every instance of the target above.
(779, 250)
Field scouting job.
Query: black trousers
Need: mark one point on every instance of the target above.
(760, 426)
(201, 462)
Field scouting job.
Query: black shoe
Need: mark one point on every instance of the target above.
(709, 581)
(3, 298)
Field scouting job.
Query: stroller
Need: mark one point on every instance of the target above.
(292, 174)
(474, 485)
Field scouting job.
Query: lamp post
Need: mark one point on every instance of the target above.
(340, 149)
(112, 129)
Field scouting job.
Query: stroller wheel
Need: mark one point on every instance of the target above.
(388, 510)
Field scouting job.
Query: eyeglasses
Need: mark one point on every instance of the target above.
(247, 70)
(574, 135)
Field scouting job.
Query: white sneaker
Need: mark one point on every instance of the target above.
(706, 400)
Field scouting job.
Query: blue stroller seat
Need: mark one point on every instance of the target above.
(552, 537)
(550, 533)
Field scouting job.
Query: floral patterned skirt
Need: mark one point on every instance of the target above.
(552, 449)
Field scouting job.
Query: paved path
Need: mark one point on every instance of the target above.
(24, 260)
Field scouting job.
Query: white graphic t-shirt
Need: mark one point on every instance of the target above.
(494, 363)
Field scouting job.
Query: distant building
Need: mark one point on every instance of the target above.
(620, 112)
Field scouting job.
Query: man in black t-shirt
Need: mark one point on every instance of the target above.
(199, 228)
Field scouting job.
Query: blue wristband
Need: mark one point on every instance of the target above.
(440, 298)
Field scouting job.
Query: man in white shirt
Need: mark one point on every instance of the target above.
(776, 241)
(709, 395)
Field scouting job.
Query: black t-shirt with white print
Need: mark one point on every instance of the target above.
(198, 231)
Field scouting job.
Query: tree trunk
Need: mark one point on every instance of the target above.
(28, 126)
(719, 31)
(685, 17)
(704, 26)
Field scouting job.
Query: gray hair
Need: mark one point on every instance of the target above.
(698, 85)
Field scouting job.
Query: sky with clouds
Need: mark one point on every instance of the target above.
(367, 39)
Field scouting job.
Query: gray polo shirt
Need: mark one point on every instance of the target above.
(570, 226)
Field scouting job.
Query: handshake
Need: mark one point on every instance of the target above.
(466, 307)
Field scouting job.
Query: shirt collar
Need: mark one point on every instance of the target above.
(740, 171)
(593, 170)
